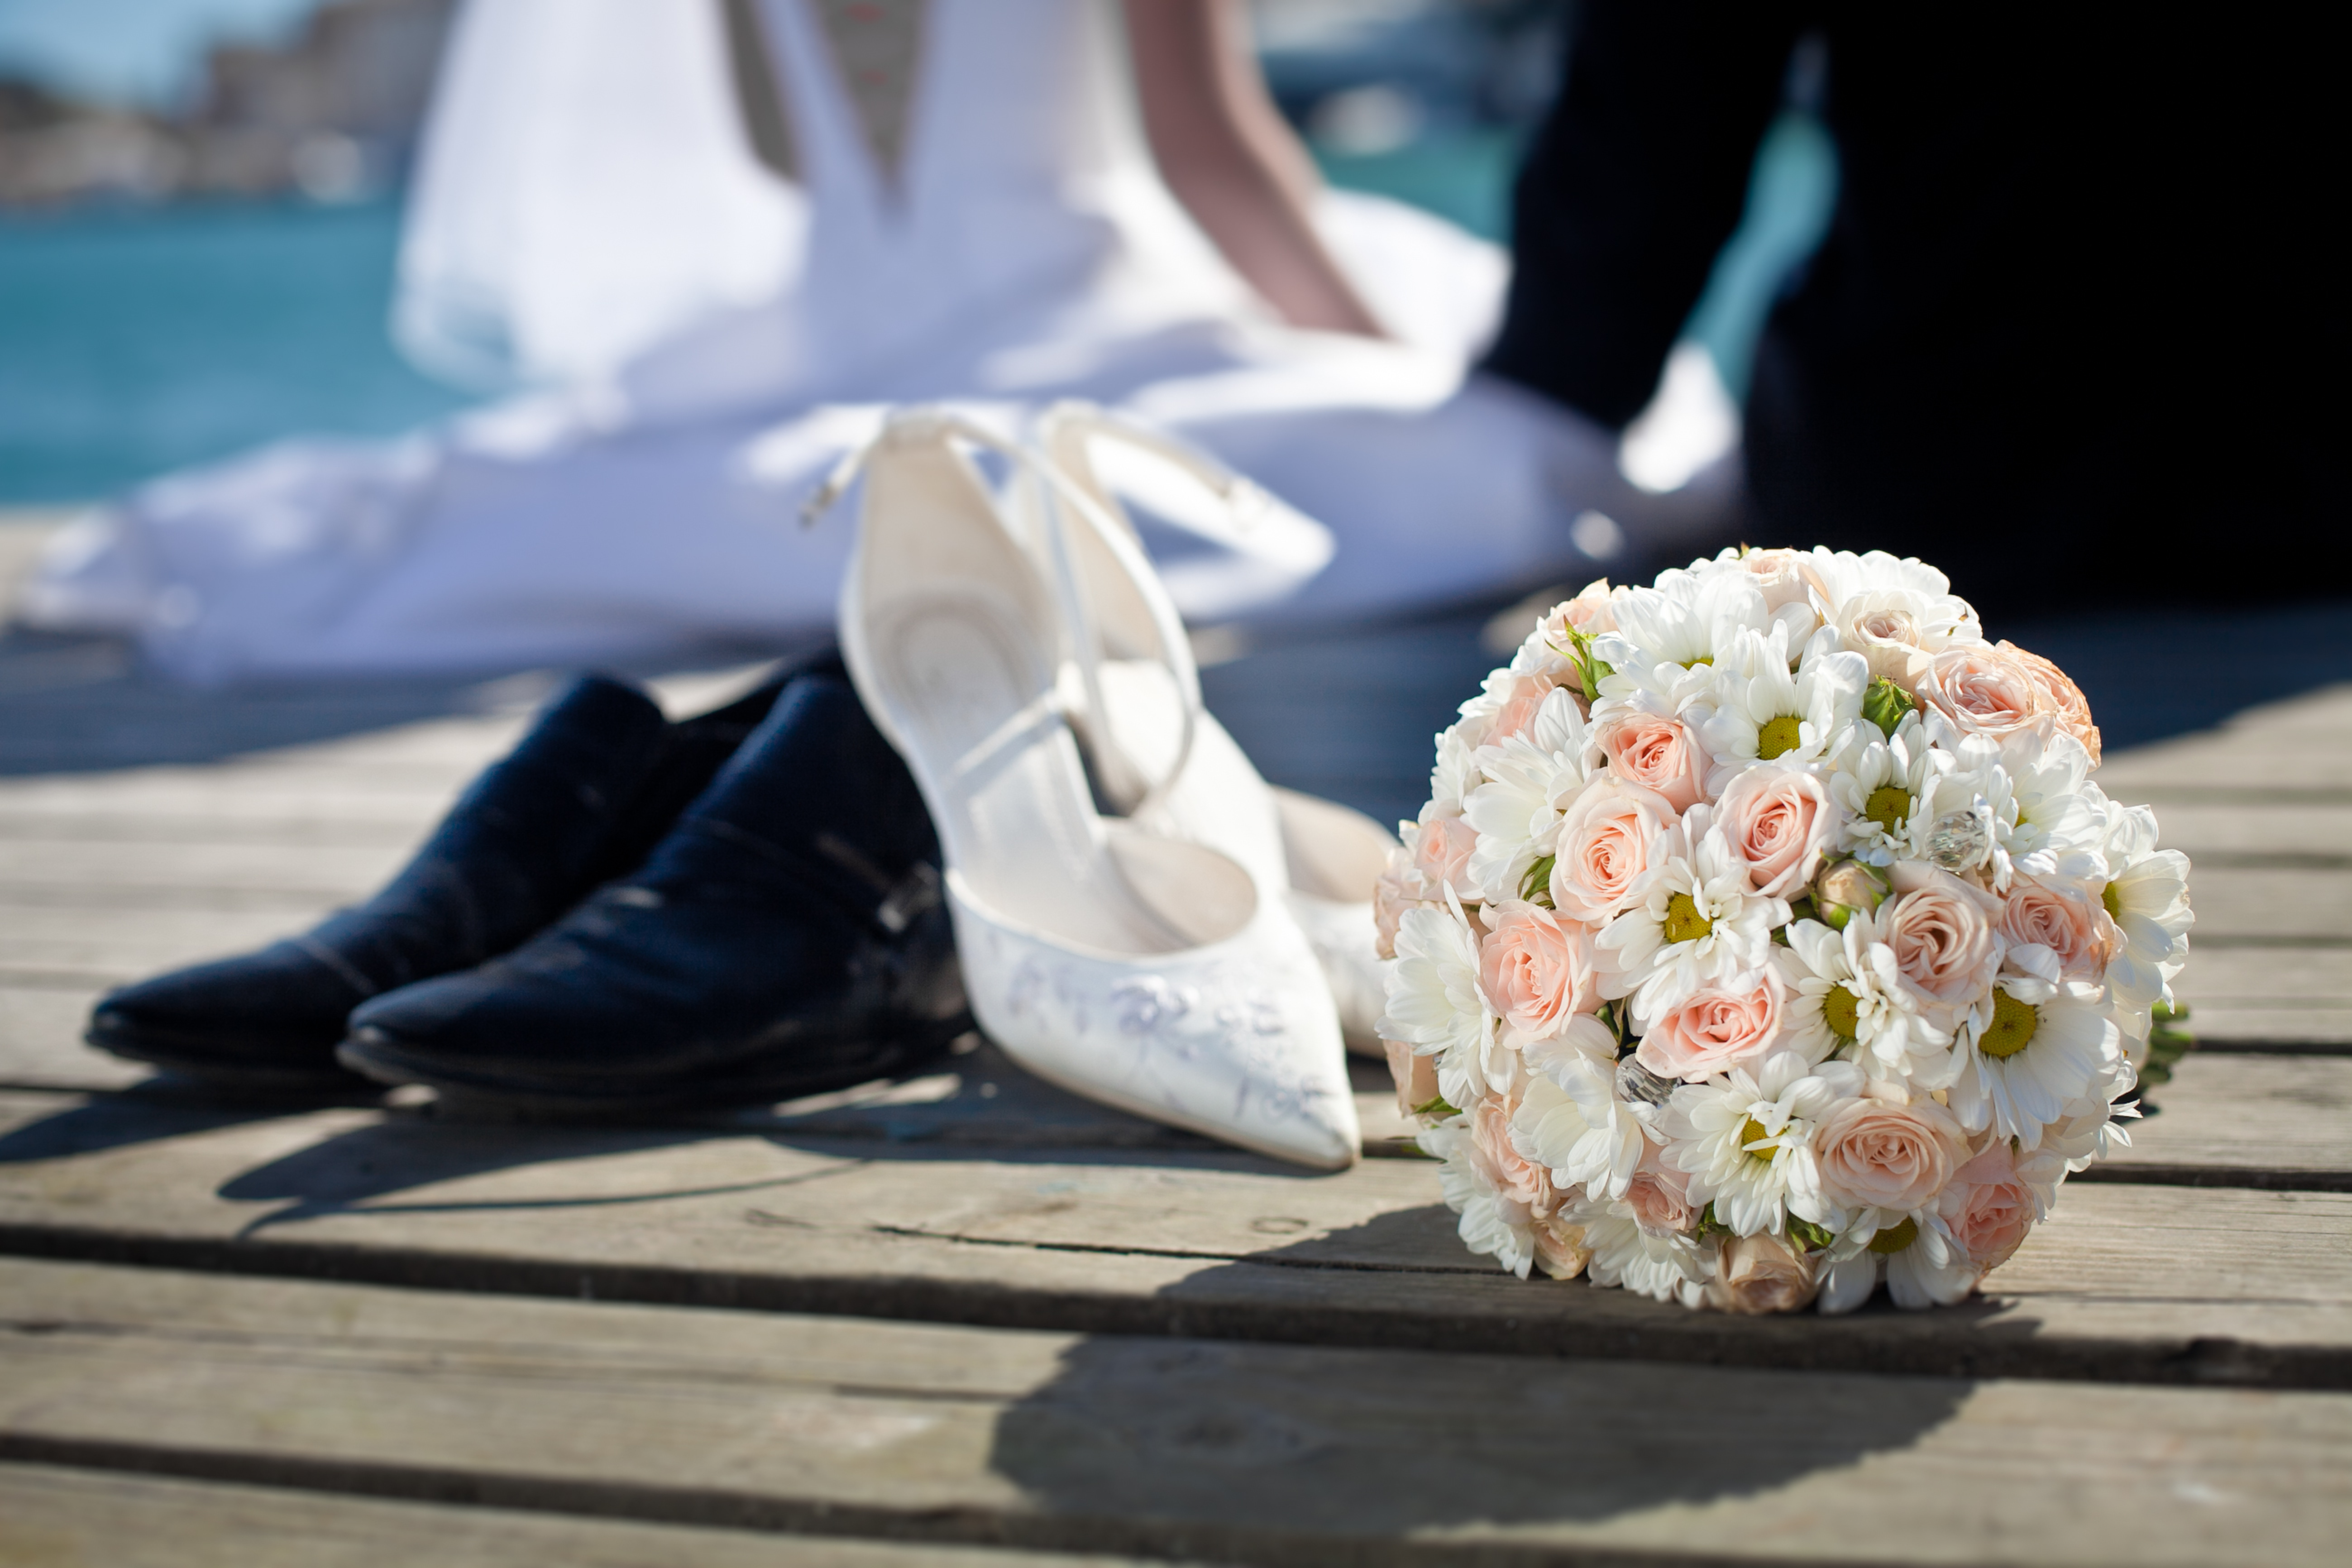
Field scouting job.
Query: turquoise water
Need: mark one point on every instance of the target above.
(136, 340)
(133, 341)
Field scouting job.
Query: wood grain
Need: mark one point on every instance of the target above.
(54, 1517)
(2244, 1120)
(1239, 1452)
(1143, 1241)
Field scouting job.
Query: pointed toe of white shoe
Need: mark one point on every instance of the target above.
(1233, 1036)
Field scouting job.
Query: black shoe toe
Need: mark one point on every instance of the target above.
(271, 1018)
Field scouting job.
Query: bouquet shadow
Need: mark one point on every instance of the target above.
(1228, 1439)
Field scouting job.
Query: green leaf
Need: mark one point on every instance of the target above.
(1711, 1225)
(1438, 1108)
(1811, 1237)
(2168, 1042)
(1536, 886)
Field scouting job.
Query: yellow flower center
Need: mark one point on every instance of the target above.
(1684, 922)
(1752, 1133)
(1888, 806)
(2115, 905)
(1778, 735)
(1894, 1238)
(1842, 1011)
(1707, 659)
(2012, 1026)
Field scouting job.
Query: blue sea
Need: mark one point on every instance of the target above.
(137, 340)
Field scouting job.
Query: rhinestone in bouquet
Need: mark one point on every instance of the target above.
(1765, 939)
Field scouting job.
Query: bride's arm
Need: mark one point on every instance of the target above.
(1223, 149)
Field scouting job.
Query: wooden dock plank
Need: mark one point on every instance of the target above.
(2244, 1120)
(1239, 1452)
(52, 1515)
(2132, 1281)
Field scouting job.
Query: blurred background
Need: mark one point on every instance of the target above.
(200, 205)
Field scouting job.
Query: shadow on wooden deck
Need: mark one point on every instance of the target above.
(1344, 712)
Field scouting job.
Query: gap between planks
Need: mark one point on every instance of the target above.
(1250, 1453)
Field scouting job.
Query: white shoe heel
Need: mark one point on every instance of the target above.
(1321, 858)
(1141, 970)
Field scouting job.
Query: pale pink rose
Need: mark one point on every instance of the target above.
(2066, 917)
(1661, 754)
(1660, 1196)
(1883, 625)
(1985, 692)
(1442, 850)
(1402, 886)
(1415, 1075)
(1519, 705)
(1716, 1028)
(1535, 968)
(1878, 1154)
(1779, 574)
(1780, 821)
(1941, 929)
(1517, 1180)
(1761, 1273)
(1560, 1251)
(1592, 612)
(2059, 697)
(1996, 1211)
(1603, 846)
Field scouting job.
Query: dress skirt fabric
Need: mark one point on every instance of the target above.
(706, 339)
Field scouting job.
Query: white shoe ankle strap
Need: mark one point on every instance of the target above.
(928, 426)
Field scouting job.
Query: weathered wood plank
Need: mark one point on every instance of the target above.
(2216, 832)
(2244, 1120)
(1239, 1452)
(240, 789)
(85, 947)
(54, 1517)
(40, 1043)
(2137, 1283)
(324, 871)
(2269, 994)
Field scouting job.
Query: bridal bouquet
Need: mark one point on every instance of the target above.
(1765, 938)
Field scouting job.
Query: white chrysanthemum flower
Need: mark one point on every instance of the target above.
(1694, 918)
(1488, 1226)
(1455, 775)
(1912, 1252)
(2029, 1051)
(1843, 1002)
(1763, 711)
(1939, 618)
(1528, 779)
(1747, 1142)
(1571, 1120)
(2090, 1127)
(1886, 785)
(1971, 785)
(1478, 714)
(2147, 896)
(1434, 1001)
(1624, 1255)
(2046, 779)
(1689, 617)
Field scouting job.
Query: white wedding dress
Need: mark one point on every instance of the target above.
(590, 217)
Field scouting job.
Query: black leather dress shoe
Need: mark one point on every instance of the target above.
(593, 786)
(787, 937)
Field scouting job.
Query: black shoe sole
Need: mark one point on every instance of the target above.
(193, 1058)
(762, 1080)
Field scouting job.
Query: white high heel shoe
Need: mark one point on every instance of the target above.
(1136, 968)
(1320, 858)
